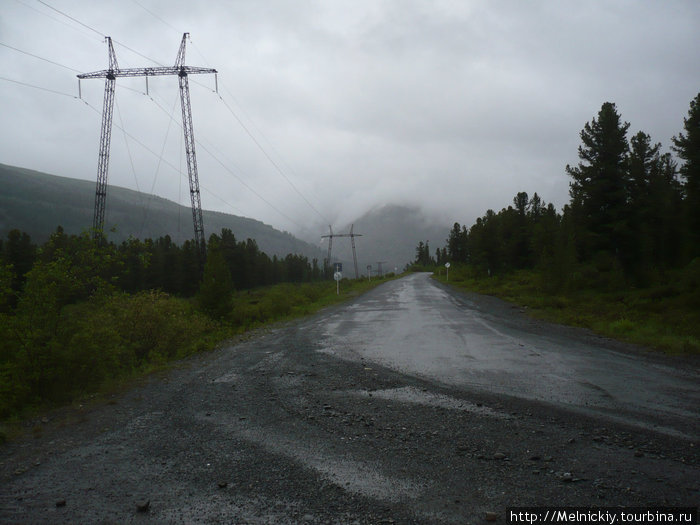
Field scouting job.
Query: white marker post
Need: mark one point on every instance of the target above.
(338, 276)
(447, 265)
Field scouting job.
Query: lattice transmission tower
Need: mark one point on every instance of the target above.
(111, 74)
(352, 242)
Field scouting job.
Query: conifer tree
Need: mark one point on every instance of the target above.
(599, 187)
(217, 285)
(687, 147)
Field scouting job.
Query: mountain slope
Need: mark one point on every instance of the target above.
(37, 203)
(389, 233)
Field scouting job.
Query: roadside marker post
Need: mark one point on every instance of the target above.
(338, 275)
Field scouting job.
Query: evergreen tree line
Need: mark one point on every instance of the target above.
(423, 258)
(137, 265)
(633, 213)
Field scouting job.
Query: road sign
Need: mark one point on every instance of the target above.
(338, 267)
(337, 276)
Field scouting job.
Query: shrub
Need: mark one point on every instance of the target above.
(96, 341)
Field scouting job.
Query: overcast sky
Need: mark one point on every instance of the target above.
(329, 108)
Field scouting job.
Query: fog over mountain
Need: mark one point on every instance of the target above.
(390, 234)
(37, 203)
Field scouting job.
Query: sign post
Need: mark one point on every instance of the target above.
(338, 275)
(447, 265)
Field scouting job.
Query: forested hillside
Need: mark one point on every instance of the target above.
(36, 203)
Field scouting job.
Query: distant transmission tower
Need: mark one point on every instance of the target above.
(352, 241)
(111, 74)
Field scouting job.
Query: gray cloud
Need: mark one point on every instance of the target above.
(455, 106)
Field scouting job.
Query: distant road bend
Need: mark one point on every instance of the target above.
(412, 404)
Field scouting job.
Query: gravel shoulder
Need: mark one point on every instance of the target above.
(270, 430)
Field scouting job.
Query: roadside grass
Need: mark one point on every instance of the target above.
(254, 308)
(665, 317)
(88, 350)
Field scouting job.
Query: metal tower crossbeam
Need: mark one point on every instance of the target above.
(111, 74)
(145, 71)
(352, 241)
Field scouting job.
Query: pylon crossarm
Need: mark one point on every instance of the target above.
(147, 72)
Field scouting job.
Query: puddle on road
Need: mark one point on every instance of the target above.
(411, 394)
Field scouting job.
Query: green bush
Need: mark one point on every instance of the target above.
(96, 341)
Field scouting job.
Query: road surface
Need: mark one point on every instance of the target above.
(411, 404)
(423, 329)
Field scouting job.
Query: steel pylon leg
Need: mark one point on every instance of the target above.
(354, 254)
(330, 245)
(98, 220)
(192, 168)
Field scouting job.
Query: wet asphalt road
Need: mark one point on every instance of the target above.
(418, 327)
(411, 404)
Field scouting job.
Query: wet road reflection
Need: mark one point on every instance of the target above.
(416, 326)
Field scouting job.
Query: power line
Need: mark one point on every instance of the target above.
(43, 13)
(160, 160)
(228, 169)
(154, 15)
(73, 19)
(126, 133)
(240, 122)
(40, 58)
(160, 156)
(295, 223)
(39, 87)
(257, 143)
(260, 132)
(220, 162)
(279, 170)
(98, 32)
(166, 162)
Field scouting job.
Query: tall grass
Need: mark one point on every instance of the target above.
(665, 317)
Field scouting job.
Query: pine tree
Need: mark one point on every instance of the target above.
(599, 187)
(217, 286)
(687, 147)
(20, 254)
(644, 165)
(457, 244)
